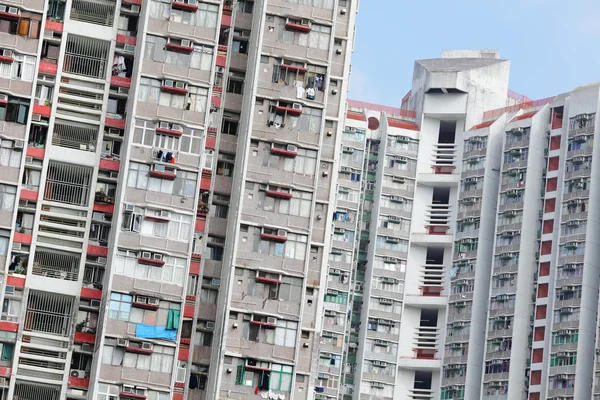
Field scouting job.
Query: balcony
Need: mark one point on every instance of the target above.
(69, 184)
(48, 313)
(75, 136)
(444, 159)
(56, 265)
(96, 12)
(426, 340)
(85, 56)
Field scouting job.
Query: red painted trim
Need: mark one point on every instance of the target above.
(218, 89)
(253, 368)
(163, 175)
(54, 26)
(188, 311)
(211, 143)
(47, 68)
(9, 326)
(396, 123)
(35, 152)
(42, 110)
(137, 350)
(120, 81)
(82, 383)
(267, 280)
(169, 132)
(6, 60)
(106, 208)
(190, 297)
(179, 385)
(9, 15)
(292, 68)
(110, 165)
(264, 324)
(216, 101)
(205, 183)
(273, 238)
(126, 395)
(221, 61)
(145, 306)
(226, 20)
(5, 372)
(211, 129)
(89, 293)
(81, 337)
(15, 281)
(194, 268)
(151, 261)
(4, 102)
(178, 5)
(28, 195)
(283, 153)
(437, 229)
(200, 225)
(289, 110)
(279, 195)
(115, 123)
(24, 238)
(154, 218)
(183, 355)
(134, 2)
(355, 116)
(94, 250)
(177, 396)
(298, 27)
(174, 90)
(123, 39)
(185, 340)
(180, 48)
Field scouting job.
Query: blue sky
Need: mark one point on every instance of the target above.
(553, 45)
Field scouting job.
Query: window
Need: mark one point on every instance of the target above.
(281, 378)
(15, 111)
(309, 121)
(189, 142)
(235, 86)
(132, 221)
(304, 163)
(183, 185)
(245, 6)
(180, 227)
(154, 395)
(8, 195)
(197, 99)
(120, 306)
(239, 46)
(21, 68)
(229, 127)
(173, 271)
(150, 90)
(108, 392)
(225, 168)
(285, 333)
(208, 296)
(203, 338)
(207, 15)
(162, 359)
(27, 25)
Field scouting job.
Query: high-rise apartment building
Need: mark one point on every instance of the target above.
(167, 175)
(473, 230)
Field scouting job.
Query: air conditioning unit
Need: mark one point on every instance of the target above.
(128, 207)
(3, 97)
(396, 199)
(180, 85)
(305, 22)
(36, 117)
(332, 292)
(95, 303)
(347, 149)
(377, 363)
(389, 260)
(87, 347)
(263, 187)
(157, 256)
(517, 131)
(102, 260)
(346, 169)
(146, 346)
(164, 125)
(153, 301)
(291, 147)
(146, 254)
(114, 131)
(123, 90)
(165, 214)
(77, 373)
(19, 144)
(402, 159)
(129, 48)
(398, 179)
(135, 8)
(16, 246)
(510, 214)
(282, 232)
(9, 289)
(177, 127)
(186, 43)
(28, 160)
(271, 320)
(210, 325)
(297, 106)
(122, 342)
(393, 218)
(215, 282)
(391, 239)
(14, 10)
(7, 53)
(169, 82)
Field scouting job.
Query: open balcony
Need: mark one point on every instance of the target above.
(56, 265)
(75, 136)
(48, 313)
(85, 56)
(69, 184)
(93, 12)
(30, 390)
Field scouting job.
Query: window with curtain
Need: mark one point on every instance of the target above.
(173, 271)
(309, 121)
(197, 98)
(150, 90)
(22, 68)
(120, 306)
(304, 163)
(208, 296)
(9, 156)
(207, 15)
(285, 333)
(107, 392)
(8, 195)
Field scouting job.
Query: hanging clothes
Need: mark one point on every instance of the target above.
(173, 319)
(319, 83)
(193, 381)
(310, 94)
(299, 92)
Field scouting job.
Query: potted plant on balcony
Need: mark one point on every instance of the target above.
(81, 325)
(203, 207)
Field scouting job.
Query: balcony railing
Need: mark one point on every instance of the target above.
(431, 279)
(444, 158)
(94, 12)
(37, 392)
(75, 136)
(56, 265)
(88, 57)
(48, 313)
(437, 218)
(68, 184)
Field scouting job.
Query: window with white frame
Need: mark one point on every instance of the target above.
(200, 58)
(183, 185)
(8, 194)
(107, 392)
(308, 121)
(198, 99)
(208, 296)
(150, 90)
(22, 68)
(315, 3)
(156, 395)
(9, 156)
(285, 333)
(173, 271)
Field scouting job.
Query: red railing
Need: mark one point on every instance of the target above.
(522, 106)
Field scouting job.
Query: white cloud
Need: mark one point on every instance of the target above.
(361, 88)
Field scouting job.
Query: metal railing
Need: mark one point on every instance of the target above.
(68, 184)
(49, 313)
(75, 136)
(56, 265)
(95, 12)
(34, 391)
(88, 57)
